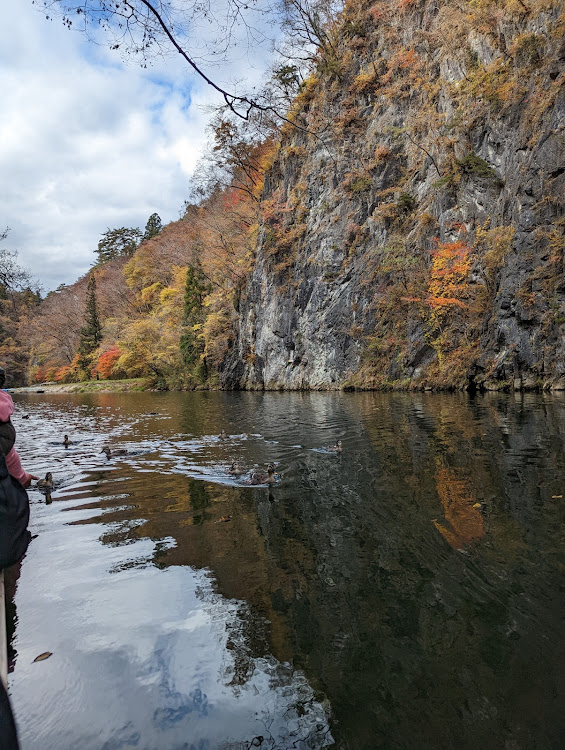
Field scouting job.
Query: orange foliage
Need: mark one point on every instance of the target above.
(404, 59)
(63, 374)
(381, 153)
(107, 360)
(464, 523)
(40, 375)
(450, 268)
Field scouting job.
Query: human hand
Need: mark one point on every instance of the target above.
(28, 480)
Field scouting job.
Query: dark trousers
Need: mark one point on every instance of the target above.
(8, 736)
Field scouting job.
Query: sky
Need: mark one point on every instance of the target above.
(89, 142)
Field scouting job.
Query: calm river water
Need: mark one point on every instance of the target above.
(405, 594)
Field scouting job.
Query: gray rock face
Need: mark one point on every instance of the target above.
(321, 306)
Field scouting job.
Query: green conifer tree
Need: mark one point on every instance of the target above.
(153, 227)
(191, 344)
(116, 243)
(91, 332)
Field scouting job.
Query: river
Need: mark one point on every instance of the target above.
(406, 593)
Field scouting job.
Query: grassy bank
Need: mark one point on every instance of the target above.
(87, 386)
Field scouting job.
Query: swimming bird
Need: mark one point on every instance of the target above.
(116, 452)
(66, 441)
(47, 483)
(335, 448)
(25, 416)
(261, 478)
(235, 469)
(223, 435)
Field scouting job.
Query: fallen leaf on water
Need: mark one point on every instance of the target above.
(223, 519)
(477, 505)
(556, 497)
(43, 656)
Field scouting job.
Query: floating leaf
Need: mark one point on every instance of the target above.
(223, 519)
(556, 497)
(43, 656)
(477, 505)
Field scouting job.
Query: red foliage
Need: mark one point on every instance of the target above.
(106, 362)
(40, 374)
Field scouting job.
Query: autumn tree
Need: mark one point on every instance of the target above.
(17, 298)
(308, 25)
(107, 362)
(91, 332)
(53, 330)
(234, 159)
(13, 276)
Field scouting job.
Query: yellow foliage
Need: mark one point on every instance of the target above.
(365, 80)
(148, 348)
(150, 294)
(171, 298)
(217, 329)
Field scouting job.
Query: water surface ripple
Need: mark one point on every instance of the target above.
(405, 593)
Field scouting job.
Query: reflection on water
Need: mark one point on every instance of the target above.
(404, 594)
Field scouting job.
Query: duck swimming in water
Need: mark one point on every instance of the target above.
(260, 478)
(47, 483)
(235, 469)
(116, 452)
(66, 441)
(223, 435)
(335, 448)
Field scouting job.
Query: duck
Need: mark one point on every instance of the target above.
(66, 441)
(47, 483)
(261, 478)
(223, 435)
(116, 452)
(335, 448)
(235, 469)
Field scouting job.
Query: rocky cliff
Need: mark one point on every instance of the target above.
(412, 231)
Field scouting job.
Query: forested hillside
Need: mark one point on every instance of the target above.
(400, 226)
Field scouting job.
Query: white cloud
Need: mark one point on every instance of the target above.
(88, 143)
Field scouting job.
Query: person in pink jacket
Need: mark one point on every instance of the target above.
(8, 437)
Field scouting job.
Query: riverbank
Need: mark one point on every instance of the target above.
(87, 386)
(357, 384)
